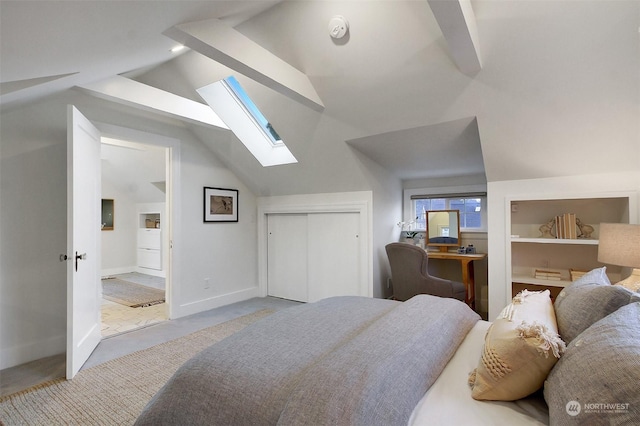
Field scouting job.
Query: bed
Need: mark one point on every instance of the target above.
(363, 361)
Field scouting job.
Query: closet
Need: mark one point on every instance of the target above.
(311, 256)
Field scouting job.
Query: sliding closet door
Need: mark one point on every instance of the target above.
(287, 259)
(335, 255)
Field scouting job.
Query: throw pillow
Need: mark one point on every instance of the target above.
(597, 380)
(520, 348)
(587, 300)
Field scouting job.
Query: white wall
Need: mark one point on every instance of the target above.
(387, 209)
(226, 253)
(499, 194)
(119, 244)
(33, 223)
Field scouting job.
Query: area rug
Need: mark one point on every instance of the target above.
(131, 294)
(113, 393)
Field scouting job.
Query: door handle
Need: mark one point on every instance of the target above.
(82, 256)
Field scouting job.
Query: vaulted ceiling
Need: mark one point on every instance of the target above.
(49, 47)
(426, 89)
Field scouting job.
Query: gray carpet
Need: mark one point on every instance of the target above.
(131, 294)
(113, 393)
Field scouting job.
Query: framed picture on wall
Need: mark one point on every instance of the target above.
(220, 205)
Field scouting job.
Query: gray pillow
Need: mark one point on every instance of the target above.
(587, 300)
(597, 380)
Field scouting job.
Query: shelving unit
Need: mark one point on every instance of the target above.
(530, 251)
(149, 241)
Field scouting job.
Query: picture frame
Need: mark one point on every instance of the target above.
(220, 205)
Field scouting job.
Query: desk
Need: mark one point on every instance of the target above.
(466, 262)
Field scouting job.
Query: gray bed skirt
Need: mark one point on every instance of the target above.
(340, 361)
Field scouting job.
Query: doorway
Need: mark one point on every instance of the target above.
(134, 261)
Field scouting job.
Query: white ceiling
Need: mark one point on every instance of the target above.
(134, 170)
(557, 77)
(439, 150)
(49, 47)
(71, 43)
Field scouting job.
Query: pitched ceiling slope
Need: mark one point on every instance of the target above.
(217, 40)
(559, 79)
(433, 151)
(14, 86)
(93, 40)
(129, 92)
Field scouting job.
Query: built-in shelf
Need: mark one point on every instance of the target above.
(528, 251)
(149, 241)
(149, 220)
(524, 279)
(554, 241)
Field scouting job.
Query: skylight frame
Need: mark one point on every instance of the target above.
(225, 102)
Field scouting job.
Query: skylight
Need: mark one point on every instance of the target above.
(253, 110)
(234, 106)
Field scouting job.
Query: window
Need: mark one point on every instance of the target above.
(471, 206)
(234, 106)
(253, 110)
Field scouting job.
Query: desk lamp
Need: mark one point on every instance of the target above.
(619, 244)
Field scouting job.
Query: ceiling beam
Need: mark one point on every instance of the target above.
(130, 92)
(218, 41)
(458, 25)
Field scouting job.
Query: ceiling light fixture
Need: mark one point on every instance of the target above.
(177, 48)
(338, 26)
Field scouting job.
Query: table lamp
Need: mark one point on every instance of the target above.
(619, 244)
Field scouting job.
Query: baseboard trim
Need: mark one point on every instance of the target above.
(212, 302)
(42, 348)
(154, 272)
(117, 271)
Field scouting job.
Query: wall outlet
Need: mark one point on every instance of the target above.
(206, 283)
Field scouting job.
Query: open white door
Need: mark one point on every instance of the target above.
(83, 244)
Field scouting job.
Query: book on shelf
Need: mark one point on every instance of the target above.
(542, 274)
(566, 227)
(559, 227)
(576, 274)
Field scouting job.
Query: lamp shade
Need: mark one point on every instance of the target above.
(619, 244)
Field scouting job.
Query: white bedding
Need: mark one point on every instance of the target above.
(449, 401)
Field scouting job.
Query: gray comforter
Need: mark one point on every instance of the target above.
(340, 361)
